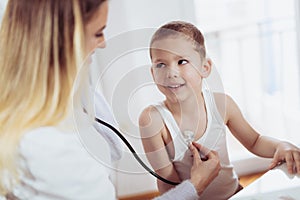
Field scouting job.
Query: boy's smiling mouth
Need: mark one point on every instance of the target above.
(174, 87)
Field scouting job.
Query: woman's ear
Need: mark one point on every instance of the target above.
(206, 68)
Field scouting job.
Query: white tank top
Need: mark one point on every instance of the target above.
(226, 183)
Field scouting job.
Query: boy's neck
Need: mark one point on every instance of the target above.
(189, 106)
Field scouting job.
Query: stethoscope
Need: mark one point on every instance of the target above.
(119, 134)
(188, 135)
(129, 146)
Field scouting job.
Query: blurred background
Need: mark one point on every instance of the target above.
(254, 44)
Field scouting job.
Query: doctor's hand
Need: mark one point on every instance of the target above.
(203, 172)
(289, 153)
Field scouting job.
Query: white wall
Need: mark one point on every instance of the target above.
(2, 7)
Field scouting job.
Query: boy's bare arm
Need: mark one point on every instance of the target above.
(242, 130)
(151, 128)
(261, 145)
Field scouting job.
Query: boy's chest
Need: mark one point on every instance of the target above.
(197, 125)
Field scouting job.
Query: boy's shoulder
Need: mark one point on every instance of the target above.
(225, 104)
(150, 122)
(150, 115)
(222, 100)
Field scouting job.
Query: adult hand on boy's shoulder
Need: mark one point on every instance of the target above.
(289, 153)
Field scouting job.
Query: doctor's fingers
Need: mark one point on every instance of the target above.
(201, 148)
(212, 165)
(196, 155)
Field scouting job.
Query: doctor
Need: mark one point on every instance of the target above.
(41, 157)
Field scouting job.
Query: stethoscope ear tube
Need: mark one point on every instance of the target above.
(133, 151)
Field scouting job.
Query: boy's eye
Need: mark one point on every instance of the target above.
(160, 65)
(182, 62)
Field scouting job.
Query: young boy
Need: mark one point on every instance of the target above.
(188, 113)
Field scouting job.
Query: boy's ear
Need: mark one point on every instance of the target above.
(206, 68)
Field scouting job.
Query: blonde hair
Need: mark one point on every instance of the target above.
(41, 43)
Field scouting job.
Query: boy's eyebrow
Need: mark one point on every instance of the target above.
(176, 56)
(158, 60)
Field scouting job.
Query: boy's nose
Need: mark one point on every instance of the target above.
(172, 73)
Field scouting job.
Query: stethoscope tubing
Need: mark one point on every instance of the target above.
(119, 134)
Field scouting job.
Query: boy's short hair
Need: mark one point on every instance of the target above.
(181, 28)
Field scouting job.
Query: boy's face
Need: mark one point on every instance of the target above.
(177, 68)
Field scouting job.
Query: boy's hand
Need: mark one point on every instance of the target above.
(203, 172)
(289, 153)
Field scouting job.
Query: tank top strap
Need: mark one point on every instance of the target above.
(178, 140)
(168, 120)
(216, 128)
(210, 102)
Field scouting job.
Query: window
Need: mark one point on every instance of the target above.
(255, 43)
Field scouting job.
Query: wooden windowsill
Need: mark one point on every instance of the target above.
(144, 196)
(244, 181)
